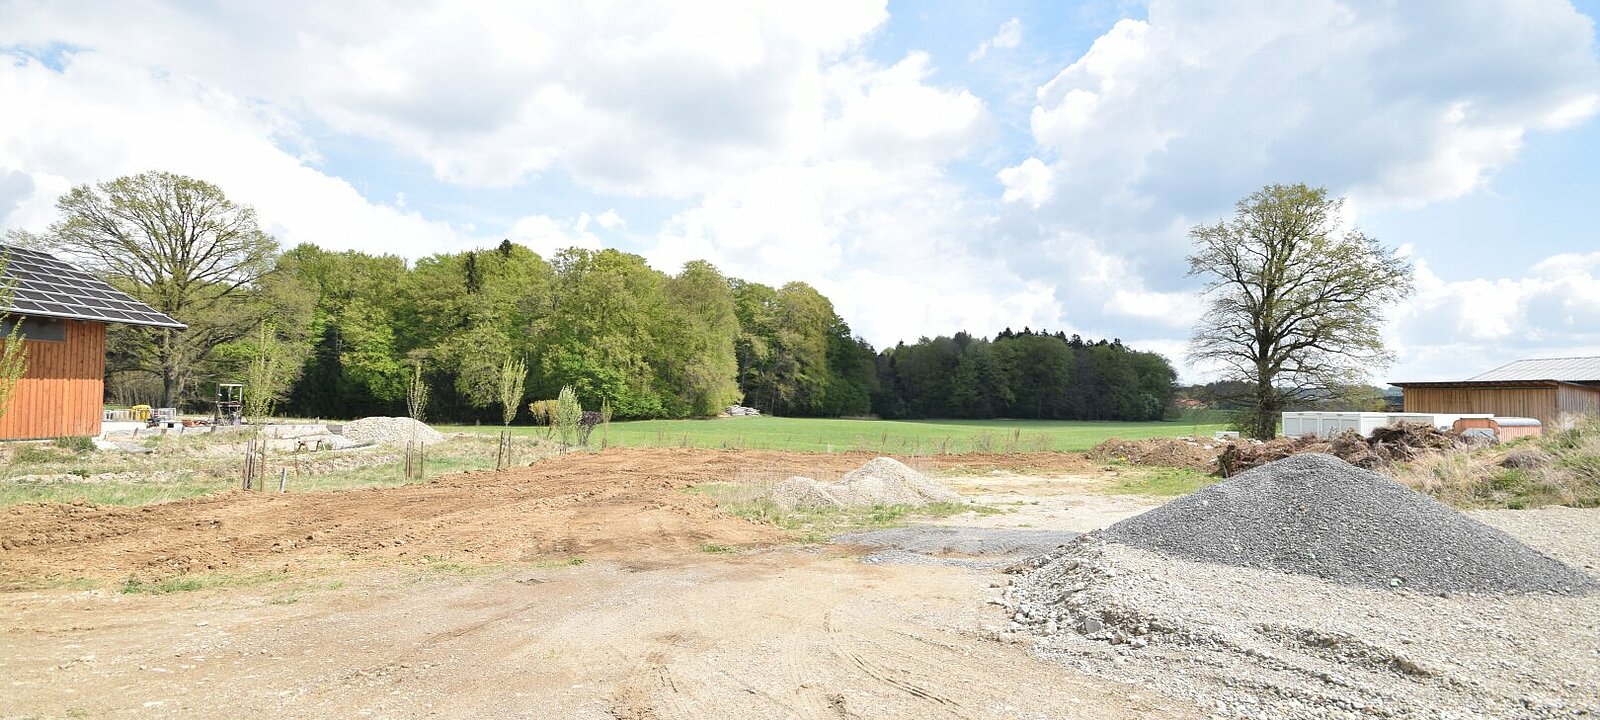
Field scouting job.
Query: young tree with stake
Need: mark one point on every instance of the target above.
(1294, 300)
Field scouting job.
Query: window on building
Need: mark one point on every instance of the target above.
(38, 329)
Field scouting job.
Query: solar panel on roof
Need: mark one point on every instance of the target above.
(45, 286)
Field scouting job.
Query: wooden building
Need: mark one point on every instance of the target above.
(1546, 389)
(63, 313)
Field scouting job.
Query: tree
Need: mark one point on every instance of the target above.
(568, 415)
(269, 373)
(513, 376)
(417, 394)
(1294, 300)
(179, 245)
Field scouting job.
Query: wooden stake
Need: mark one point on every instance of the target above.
(283, 478)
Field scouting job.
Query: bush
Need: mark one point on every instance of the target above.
(76, 444)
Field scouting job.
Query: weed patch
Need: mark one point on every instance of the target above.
(1160, 482)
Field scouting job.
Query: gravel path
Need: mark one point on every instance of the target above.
(959, 546)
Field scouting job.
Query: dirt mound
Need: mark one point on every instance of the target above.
(1387, 445)
(1314, 514)
(1190, 453)
(391, 431)
(882, 481)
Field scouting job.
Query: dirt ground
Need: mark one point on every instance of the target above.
(624, 503)
(463, 598)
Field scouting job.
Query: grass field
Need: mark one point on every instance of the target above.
(924, 437)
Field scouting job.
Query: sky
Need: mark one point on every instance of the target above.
(930, 166)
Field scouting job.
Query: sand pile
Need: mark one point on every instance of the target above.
(1315, 514)
(882, 481)
(391, 431)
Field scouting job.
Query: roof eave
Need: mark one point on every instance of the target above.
(1487, 383)
(58, 316)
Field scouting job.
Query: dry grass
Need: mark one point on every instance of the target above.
(1561, 468)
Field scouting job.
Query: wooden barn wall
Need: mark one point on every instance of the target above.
(1534, 402)
(1578, 400)
(61, 394)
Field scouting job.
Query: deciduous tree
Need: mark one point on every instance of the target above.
(182, 247)
(1294, 299)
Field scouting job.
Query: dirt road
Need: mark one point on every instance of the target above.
(351, 623)
(778, 634)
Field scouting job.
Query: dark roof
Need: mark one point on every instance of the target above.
(1573, 370)
(43, 286)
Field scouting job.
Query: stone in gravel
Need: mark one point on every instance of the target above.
(1315, 514)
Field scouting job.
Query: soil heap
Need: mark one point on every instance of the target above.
(391, 431)
(1314, 514)
(882, 481)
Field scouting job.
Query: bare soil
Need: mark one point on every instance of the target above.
(658, 622)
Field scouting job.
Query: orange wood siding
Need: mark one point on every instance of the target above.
(1535, 402)
(61, 394)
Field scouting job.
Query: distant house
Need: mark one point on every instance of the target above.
(1542, 388)
(63, 312)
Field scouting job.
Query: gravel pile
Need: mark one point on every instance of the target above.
(1316, 515)
(1250, 643)
(391, 431)
(882, 481)
(803, 492)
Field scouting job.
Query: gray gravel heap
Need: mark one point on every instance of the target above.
(1314, 514)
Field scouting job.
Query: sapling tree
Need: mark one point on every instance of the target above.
(513, 376)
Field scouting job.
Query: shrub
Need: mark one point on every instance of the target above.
(76, 444)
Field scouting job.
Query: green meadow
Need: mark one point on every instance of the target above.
(918, 437)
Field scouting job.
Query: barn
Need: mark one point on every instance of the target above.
(63, 313)
(1542, 388)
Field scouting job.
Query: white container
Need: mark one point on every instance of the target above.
(1328, 424)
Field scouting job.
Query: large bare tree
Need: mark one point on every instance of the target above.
(1294, 300)
(181, 246)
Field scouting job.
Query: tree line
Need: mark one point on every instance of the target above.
(1027, 374)
(320, 333)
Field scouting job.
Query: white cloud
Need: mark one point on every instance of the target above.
(656, 97)
(1028, 182)
(99, 119)
(1453, 329)
(1192, 108)
(547, 236)
(1008, 37)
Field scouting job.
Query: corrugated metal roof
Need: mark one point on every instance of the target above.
(1573, 369)
(43, 286)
